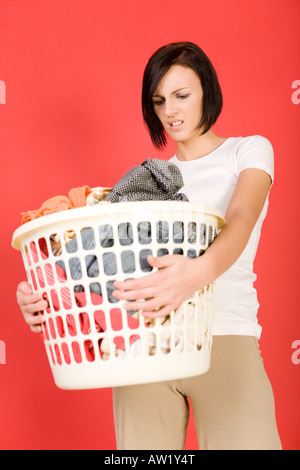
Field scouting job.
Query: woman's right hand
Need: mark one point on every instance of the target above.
(32, 306)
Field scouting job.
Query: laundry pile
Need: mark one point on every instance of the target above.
(152, 180)
(77, 197)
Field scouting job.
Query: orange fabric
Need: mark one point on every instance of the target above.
(76, 198)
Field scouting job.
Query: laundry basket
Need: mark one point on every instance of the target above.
(73, 257)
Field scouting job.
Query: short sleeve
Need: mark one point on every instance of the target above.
(256, 152)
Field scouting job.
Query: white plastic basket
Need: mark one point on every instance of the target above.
(73, 257)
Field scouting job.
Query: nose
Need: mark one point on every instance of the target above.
(170, 108)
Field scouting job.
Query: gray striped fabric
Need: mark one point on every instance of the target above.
(153, 180)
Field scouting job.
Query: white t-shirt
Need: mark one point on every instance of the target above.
(211, 180)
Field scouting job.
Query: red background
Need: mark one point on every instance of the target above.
(73, 73)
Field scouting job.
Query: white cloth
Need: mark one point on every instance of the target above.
(211, 180)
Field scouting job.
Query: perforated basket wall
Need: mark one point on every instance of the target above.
(73, 257)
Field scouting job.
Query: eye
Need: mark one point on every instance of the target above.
(182, 97)
(158, 102)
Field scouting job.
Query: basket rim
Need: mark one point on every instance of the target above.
(97, 210)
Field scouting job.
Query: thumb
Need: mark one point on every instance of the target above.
(25, 287)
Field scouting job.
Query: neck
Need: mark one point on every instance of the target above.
(198, 146)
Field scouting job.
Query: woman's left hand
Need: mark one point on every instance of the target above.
(164, 290)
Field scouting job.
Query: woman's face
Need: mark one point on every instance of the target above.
(177, 102)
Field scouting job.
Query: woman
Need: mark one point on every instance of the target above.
(233, 403)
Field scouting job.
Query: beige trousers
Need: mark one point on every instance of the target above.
(233, 405)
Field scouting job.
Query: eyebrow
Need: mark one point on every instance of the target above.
(179, 89)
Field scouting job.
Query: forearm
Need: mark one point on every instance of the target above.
(241, 216)
(225, 249)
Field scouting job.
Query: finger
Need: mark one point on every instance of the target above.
(31, 303)
(161, 261)
(134, 294)
(134, 284)
(26, 299)
(35, 307)
(149, 304)
(36, 329)
(34, 320)
(162, 312)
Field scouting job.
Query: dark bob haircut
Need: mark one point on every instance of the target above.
(189, 55)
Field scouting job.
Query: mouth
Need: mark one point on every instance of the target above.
(175, 124)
